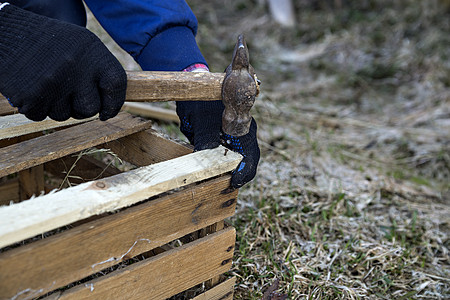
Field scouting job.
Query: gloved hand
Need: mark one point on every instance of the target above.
(201, 123)
(56, 69)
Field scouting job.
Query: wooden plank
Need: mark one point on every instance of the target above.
(151, 111)
(147, 147)
(20, 221)
(204, 232)
(102, 243)
(9, 191)
(18, 125)
(37, 151)
(164, 275)
(19, 139)
(5, 107)
(31, 182)
(222, 291)
(174, 86)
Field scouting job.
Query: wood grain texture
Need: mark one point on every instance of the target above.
(33, 152)
(20, 221)
(174, 86)
(31, 182)
(146, 86)
(152, 112)
(9, 191)
(164, 275)
(222, 291)
(5, 107)
(76, 253)
(146, 148)
(18, 125)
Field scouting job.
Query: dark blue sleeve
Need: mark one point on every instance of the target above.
(160, 35)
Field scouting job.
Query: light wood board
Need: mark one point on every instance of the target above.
(41, 214)
(76, 253)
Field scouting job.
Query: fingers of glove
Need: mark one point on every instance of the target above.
(244, 173)
(87, 102)
(33, 112)
(112, 87)
(61, 109)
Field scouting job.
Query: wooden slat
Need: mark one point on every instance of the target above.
(205, 231)
(102, 243)
(21, 221)
(164, 275)
(174, 86)
(18, 125)
(149, 111)
(31, 182)
(19, 139)
(9, 191)
(146, 147)
(5, 107)
(33, 152)
(222, 291)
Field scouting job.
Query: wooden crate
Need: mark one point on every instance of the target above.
(150, 233)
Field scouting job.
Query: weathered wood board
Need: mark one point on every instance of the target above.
(222, 291)
(18, 125)
(166, 274)
(42, 149)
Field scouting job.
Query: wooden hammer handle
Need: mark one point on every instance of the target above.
(146, 86)
(174, 86)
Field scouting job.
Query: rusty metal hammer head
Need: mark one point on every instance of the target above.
(239, 90)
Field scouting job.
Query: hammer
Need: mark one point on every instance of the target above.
(237, 88)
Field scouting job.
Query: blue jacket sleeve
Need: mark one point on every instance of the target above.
(160, 35)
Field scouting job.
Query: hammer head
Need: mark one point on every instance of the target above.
(239, 90)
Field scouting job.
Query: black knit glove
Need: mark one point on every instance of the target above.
(56, 69)
(247, 145)
(201, 123)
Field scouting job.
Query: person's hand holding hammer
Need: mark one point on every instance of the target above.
(207, 124)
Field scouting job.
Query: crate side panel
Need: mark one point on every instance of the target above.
(74, 254)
